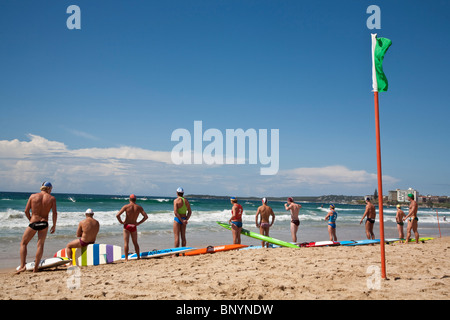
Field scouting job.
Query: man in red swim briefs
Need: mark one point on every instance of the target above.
(87, 232)
(132, 211)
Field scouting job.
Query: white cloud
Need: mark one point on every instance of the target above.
(336, 174)
(25, 164)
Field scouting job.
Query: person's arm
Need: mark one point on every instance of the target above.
(79, 231)
(119, 213)
(273, 217)
(27, 209)
(364, 215)
(145, 216)
(54, 216)
(188, 207)
(410, 214)
(256, 218)
(233, 214)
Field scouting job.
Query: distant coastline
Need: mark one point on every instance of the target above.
(335, 199)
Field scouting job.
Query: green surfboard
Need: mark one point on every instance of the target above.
(260, 236)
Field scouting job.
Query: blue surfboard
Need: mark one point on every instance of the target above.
(159, 253)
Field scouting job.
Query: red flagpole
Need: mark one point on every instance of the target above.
(380, 186)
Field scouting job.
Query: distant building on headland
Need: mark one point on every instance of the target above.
(402, 195)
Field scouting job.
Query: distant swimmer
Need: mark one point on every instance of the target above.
(370, 215)
(132, 212)
(413, 220)
(331, 217)
(236, 220)
(264, 212)
(182, 211)
(87, 233)
(40, 205)
(399, 219)
(295, 222)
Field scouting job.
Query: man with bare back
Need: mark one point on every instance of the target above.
(40, 205)
(132, 211)
(87, 232)
(264, 212)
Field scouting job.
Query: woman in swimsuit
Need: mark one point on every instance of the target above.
(331, 217)
(236, 220)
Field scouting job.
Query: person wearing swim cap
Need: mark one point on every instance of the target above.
(40, 205)
(236, 220)
(182, 211)
(87, 233)
(399, 219)
(295, 221)
(264, 212)
(132, 212)
(370, 215)
(331, 218)
(413, 220)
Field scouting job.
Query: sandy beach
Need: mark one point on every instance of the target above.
(414, 271)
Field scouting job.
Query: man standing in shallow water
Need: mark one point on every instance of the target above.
(40, 205)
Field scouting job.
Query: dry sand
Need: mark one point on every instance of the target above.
(414, 271)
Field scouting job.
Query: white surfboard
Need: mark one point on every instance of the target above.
(46, 263)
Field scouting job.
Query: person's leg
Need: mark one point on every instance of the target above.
(183, 235)
(294, 229)
(72, 245)
(176, 233)
(26, 238)
(134, 238)
(126, 241)
(42, 234)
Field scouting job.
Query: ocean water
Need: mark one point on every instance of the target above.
(202, 230)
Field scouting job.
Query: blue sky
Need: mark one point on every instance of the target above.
(93, 110)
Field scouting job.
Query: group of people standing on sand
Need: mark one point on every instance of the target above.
(400, 218)
(264, 212)
(40, 204)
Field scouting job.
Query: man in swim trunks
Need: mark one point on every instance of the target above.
(40, 205)
(132, 212)
(331, 217)
(264, 212)
(295, 222)
(370, 215)
(236, 220)
(182, 212)
(413, 220)
(87, 233)
(399, 219)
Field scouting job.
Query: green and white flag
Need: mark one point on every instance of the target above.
(379, 48)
